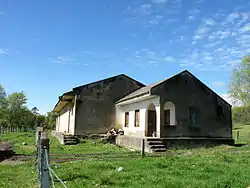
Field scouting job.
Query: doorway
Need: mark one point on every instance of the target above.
(151, 121)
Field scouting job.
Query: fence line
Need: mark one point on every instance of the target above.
(45, 172)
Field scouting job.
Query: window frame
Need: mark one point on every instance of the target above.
(137, 118)
(165, 117)
(126, 121)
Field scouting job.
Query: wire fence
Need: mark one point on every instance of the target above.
(45, 173)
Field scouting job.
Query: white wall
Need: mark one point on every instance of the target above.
(63, 122)
(142, 106)
(72, 118)
(66, 120)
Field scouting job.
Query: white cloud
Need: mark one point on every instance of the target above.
(245, 29)
(203, 30)
(218, 83)
(170, 58)
(230, 100)
(62, 60)
(159, 1)
(227, 98)
(209, 21)
(4, 51)
(231, 18)
(193, 13)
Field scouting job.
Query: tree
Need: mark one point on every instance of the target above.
(50, 120)
(3, 106)
(16, 109)
(35, 110)
(240, 82)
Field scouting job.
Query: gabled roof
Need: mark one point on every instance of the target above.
(107, 79)
(144, 90)
(64, 96)
(147, 89)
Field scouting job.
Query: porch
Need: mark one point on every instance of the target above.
(145, 116)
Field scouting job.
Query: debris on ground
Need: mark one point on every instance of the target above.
(120, 169)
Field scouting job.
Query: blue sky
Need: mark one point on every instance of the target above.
(48, 47)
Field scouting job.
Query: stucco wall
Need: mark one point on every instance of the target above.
(142, 106)
(95, 106)
(185, 91)
(66, 119)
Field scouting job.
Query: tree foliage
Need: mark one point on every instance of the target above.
(15, 114)
(241, 114)
(240, 82)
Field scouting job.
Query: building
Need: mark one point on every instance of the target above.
(91, 108)
(178, 108)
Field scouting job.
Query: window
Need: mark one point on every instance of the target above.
(169, 114)
(137, 118)
(126, 119)
(194, 115)
(167, 117)
(219, 113)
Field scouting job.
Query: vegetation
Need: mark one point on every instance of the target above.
(240, 91)
(244, 133)
(241, 114)
(15, 114)
(221, 166)
(240, 82)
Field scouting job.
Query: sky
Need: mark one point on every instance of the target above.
(49, 47)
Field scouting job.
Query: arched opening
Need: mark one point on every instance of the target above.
(169, 113)
(151, 121)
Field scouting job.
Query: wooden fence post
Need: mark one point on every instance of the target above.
(237, 135)
(143, 148)
(44, 160)
(43, 157)
(42, 144)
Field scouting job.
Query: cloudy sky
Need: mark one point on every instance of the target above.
(48, 47)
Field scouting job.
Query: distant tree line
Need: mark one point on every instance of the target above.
(14, 114)
(241, 114)
(240, 91)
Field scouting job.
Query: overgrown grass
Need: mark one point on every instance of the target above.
(18, 138)
(220, 166)
(244, 134)
(212, 170)
(18, 175)
(86, 146)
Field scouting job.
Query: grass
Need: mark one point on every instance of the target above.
(244, 133)
(220, 166)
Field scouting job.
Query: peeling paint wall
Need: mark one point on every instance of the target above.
(185, 92)
(95, 105)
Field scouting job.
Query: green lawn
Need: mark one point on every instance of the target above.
(220, 166)
(244, 133)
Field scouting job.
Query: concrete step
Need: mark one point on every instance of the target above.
(70, 142)
(155, 142)
(158, 146)
(67, 136)
(160, 150)
(154, 139)
(70, 139)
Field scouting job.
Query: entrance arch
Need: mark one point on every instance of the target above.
(150, 130)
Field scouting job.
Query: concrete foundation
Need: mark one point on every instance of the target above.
(171, 143)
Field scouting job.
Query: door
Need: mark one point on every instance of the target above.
(151, 122)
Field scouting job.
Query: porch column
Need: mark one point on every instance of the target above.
(158, 120)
